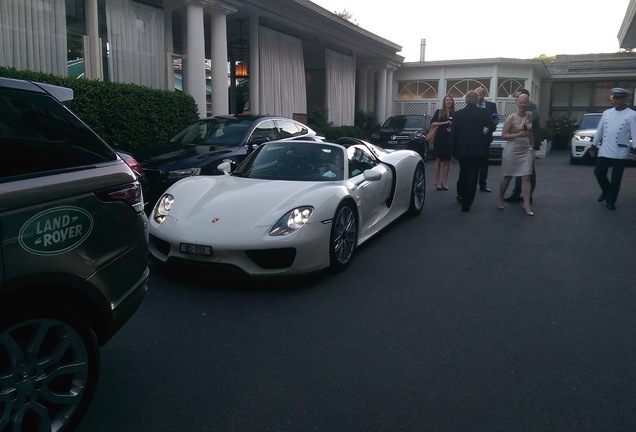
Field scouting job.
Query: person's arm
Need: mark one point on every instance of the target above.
(598, 136)
(505, 133)
(632, 129)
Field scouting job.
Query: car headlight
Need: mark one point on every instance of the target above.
(292, 221)
(183, 173)
(417, 135)
(582, 137)
(375, 136)
(162, 208)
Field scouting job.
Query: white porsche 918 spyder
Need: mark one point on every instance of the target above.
(291, 207)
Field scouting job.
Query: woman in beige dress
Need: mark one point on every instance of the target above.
(518, 154)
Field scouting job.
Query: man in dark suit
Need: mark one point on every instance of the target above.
(492, 109)
(470, 125)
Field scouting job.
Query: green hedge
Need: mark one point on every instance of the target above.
(126, 116)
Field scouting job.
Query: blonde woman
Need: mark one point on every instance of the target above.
(518, 155)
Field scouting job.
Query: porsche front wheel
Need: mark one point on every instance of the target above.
(418, 191)
(344, 235)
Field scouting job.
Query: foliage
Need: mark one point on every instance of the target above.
(546, 59)
(126, 116)
(366, 121)
(346, 15)
(561, 129)
(318, 118)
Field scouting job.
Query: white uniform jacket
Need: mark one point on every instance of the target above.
(615, 131)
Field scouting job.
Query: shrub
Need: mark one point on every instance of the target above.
(126, 116)
(561, 128)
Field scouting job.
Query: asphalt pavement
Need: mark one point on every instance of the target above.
(482, 321)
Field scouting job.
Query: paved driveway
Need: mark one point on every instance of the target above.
(485, 321)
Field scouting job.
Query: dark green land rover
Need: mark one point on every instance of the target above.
(73, 256)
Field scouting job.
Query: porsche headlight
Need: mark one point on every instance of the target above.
(292, 221)
(162, 208)
(375, 136)
(183, 173)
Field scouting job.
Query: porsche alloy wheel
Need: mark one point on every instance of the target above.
(344, 235)
(48, 372)
(418, 191)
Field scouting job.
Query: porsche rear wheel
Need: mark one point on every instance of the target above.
(418, 191)
(344, 235)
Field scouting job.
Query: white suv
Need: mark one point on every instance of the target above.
(582, 139)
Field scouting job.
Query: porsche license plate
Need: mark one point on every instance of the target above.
(195, 249)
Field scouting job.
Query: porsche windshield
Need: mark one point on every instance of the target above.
(223, 132)
(294, 160)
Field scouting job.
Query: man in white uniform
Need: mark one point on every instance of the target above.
(612, 139)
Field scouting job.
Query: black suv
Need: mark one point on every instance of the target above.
(73, 256)
(404, 132)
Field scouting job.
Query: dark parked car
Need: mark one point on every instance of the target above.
(202, 146)
(404, 132)
(73, 256)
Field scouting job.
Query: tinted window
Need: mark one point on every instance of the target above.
(289, 129)
(589, 122)
(295, 161)
(266, 129)
(37, 134)
(360, 160)
(228, 132)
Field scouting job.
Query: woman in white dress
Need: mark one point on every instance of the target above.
(518, 154)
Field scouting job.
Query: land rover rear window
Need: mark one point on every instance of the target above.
(37, 135)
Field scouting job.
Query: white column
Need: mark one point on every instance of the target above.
(169, 43)
(92, 64)
(389, 92)
(494, 81)
(371, 93)
(381, 91)
(254, 69)
(362, 89)
(194, 70)
(218, 44)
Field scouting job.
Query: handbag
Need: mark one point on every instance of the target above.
(430, 135)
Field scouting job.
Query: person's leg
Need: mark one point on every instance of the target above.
(600, 171)
(533, 180)
(461, 180)
(503, 187)
(472, 179)
(483, 174)
(615, 185)
(445, 173)
(526, 187)
(436, 172)
(516, 191)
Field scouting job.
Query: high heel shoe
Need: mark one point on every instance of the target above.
(438, 187)
(444, 187)
(528, 213)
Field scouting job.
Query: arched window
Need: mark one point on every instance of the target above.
(508, 87)
(417, 90)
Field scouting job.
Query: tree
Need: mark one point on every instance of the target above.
(546, 58)
(346, 15)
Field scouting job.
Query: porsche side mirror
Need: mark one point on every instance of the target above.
(225, 167)
(372, 175)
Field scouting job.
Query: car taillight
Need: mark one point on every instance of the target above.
(133, 164)
(130, 193)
